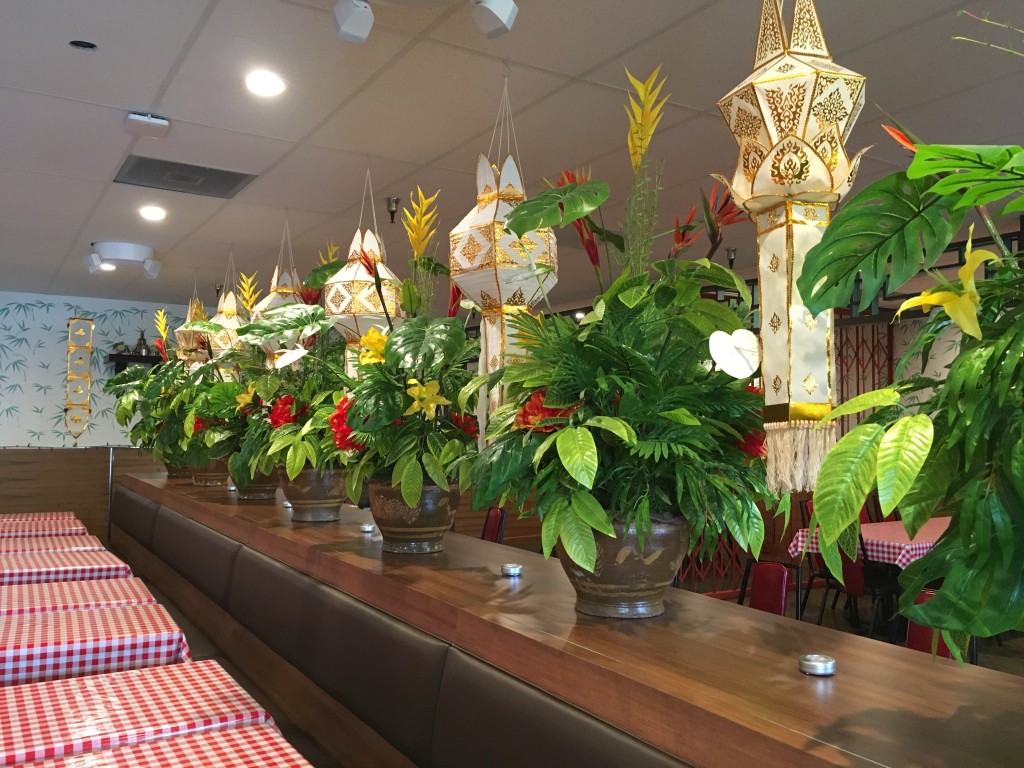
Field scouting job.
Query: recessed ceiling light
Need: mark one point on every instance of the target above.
(106, 266)
(82, 45)
(263, 82)
(152, 213)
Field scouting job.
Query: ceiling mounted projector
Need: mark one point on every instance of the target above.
(109, 254)
(494, 17)
(353, 20)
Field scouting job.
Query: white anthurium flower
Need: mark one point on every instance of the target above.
(739, 354)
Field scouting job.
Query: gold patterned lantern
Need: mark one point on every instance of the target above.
(285, 285)
(494, 268)
(228, 318)
(78, 395)
(193, 346)
(790, 119)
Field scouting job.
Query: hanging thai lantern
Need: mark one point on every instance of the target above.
(497, 270)
(193, 346)
(229, 319)
(285, 288)
(790, 119)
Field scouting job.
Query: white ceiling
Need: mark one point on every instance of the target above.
(415, 104)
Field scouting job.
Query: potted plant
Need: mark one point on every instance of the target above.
(952, 445)
(615, 432)
(420, 443)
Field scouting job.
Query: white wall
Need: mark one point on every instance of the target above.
(33, 364)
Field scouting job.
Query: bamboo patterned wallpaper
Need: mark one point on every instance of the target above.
(33, 364)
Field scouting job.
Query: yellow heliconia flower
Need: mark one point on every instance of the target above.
(418, 223)
(425, 398)
(247, 291)
(245, 398)
(332, 253)
(160, 317)
(644, 114)
(372, 342)
(962, 308)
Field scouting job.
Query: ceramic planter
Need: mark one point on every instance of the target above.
(413, 530)
(214, 473)
(316, 496)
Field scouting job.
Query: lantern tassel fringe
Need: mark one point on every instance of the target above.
(796, 450)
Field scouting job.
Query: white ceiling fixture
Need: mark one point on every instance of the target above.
(495, 17)
(263, 82)
(109, 253)
(153, 213)
(353, 20)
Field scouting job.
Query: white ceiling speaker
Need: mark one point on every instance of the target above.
(353, 20)
(494, 17)
(109, 253)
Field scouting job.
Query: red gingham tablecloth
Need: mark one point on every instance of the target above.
(50, 646)
(13, 529)
(86, 714)
(39, 567)
(24, 517)
(51, 544)
(73, 596)
(885, 542)
(258, 746)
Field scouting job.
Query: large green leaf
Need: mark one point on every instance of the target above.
(578, 453)
(901, 454)
(591, 512)
(845, 479)
(551, 525)
(412, 483)
(980, 174)
(878, 398)
(557, 206)
(577, 537)
(434, 470)
(421, 346)
(616, 426)
(895, 219)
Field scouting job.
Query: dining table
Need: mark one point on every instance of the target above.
(39, 567)
(253, 746)
(86, 543)
(104, 712)
(24, 517)
(884, 542)
(49, 596)
(50, 646)
(18, 529)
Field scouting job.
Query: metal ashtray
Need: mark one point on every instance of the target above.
(512, 569)
(366, 527)
(817, 664)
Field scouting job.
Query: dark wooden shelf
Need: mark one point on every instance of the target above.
(122, 361)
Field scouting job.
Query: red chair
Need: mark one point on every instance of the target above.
(770, 584)
(919, 637)
(494, 525)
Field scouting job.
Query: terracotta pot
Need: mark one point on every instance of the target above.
(178, 473)
(315, 496)
(262, 488)
(214, 473)
(629, 582)
(413, 530)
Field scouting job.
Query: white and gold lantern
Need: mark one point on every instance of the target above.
(790, 119)
(193, 346)
(351, 294)
(229, 319)
(496, 269)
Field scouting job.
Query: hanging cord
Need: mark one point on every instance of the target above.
(368, 188)
(505, 130)
(230, 274)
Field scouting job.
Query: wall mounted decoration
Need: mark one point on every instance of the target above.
(78, 391)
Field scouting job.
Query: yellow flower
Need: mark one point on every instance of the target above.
(373, 342)
(161, 323)
(248, 291)
(425, 398)
(245, 398)
(962, 308)
(418, 223)
(644, 115)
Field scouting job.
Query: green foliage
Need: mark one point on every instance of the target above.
(557, 206)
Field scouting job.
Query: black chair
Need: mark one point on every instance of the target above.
(864, 577)
(770, 583)
(818, 569)
(494, 525)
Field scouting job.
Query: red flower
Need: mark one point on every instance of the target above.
(467, 424)
(309, 295)
(901, 138)
(281, 412)
(367, 262)
(753, 442)
(161, 347)
(533, 413)
(342, 431)
(583, 229)
(199, 426)
(454, 297)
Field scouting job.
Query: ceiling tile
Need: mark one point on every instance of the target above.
(117, 217)
(44, 196)
(33, 238)
(214, 148)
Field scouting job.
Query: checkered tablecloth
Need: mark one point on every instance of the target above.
(50, 646)
(51, 544)
(258, 746)
(73, 717)
(25, 517)
(72, 596)
(39, 567)
(14, 529)
(885, 542)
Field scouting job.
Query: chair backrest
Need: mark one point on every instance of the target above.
(919, 637)
(494, 525)
(769, 587)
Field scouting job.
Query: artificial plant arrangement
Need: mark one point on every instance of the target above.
(404, 405)
(619, 421)
(950, 446)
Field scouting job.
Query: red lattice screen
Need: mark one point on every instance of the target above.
(863, 363)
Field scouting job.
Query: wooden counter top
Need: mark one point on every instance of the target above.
(712, 683)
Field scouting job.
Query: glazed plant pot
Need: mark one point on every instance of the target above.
(178, 473)
(629, 582)
(316, 496)
(413, 530)
(214, 473)
(262, 488)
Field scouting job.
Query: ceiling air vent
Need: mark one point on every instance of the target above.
(181, 177)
